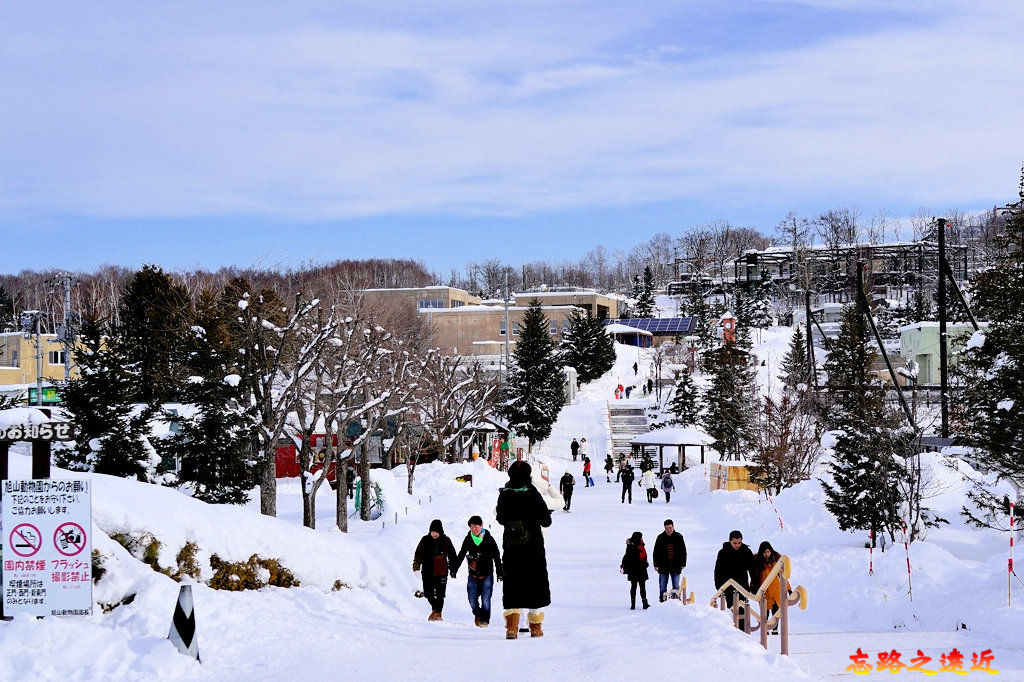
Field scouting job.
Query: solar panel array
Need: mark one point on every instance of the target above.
(658, 325)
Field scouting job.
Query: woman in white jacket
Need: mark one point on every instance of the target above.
(649, 482)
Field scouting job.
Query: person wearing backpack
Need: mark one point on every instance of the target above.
(523, 514)
(667, 486)
(480, 551)
(634, 566)
(434, 554)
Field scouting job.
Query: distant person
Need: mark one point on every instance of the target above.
(523, 513)
(483, 561)
(586, 473)
(627, 477)
(650, 385)
(735, 561)
(674, 469)
(350, 481)
(622, 464)
(574, 448)
(649, 482)
(667, 486)
(635, 369)
(584, 448)
(434, 554)
(565, 486)
(608, 466)
(669, 558)
(628, 391)
(634, 566)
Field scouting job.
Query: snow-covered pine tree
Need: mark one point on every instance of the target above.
(989, 418)
(153, 319)
(794, 370)
(6, 307)
(645, 301)
(212, 445)
(533, 394)
(866, 473)
(685, 404)
(587, 347)
(731, 405)
(111, 433)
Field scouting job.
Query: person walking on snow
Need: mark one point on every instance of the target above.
(667, 486)
(583, 448)
(669, 558)
(764, 562)
(434, 554)
(484, 564)
(647, 480)
(735, 561)
(608, 466)
(634, 565)
(635, 369)
(628, 390)
(522, 512)
(622, 465)
(586, 473)
(627, 476)
(574, 448)
(565, 486)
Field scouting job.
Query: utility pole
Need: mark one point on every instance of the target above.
(508, 329)
(943, 369)
(30, 323)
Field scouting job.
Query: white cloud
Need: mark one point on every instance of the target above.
(319, 119)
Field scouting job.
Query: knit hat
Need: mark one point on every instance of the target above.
(519, 473)
(435, 525)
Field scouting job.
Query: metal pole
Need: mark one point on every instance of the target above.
(943, 370)
(810, 341)
(508, 327)
(39, 363)
(67, 328)
(866, 309)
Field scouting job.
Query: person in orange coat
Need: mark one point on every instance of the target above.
(764, 562)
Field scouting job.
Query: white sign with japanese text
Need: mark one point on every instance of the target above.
(47, 547)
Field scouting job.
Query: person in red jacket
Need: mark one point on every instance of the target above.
(586, 473)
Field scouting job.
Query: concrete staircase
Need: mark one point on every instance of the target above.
(627, 420)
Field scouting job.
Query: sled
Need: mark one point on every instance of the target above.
(680, 594)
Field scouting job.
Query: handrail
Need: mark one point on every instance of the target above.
(755, 597)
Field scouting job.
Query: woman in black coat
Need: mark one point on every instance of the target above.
(523, 513)
(634, 565)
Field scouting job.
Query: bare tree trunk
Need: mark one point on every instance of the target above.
(341, 494)
(268, 483)
(364, 474)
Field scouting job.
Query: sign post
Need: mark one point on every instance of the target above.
(47, 532)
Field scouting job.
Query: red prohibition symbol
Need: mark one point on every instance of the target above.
(25, 540)
(69, 538)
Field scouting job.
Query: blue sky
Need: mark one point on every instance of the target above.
(189, 134)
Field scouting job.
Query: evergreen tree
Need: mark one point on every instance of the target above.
(989, 418)
(866, 470)
(635, 289)
(685, 405)
(533, 394)
(645, 300)
(212, 444)
(731, 400)
(6, 307)
(111, 433)
(794, 364)
(587, 347)
(153, 320)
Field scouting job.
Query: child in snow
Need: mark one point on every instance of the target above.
(484, 561)
(634, 566)
(434, 554)
(667, 486)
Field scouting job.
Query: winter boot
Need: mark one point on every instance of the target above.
(646, 605)
(476, 621)
(511, 625)
(535, 620)
(434, 615)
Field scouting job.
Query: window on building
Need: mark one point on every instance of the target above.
(515, 329)
(501, 328)
(458, 304)
(554, 326)
(14, 358)
(430, 303)
(56, 357)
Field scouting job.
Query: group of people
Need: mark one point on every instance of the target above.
(669, 562)
(649, 481)
(521, 563)
(736, 562)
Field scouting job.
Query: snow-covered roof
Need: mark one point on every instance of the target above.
(542, 294)
(625, 329)
(954, 326)
(486, 309)
(674, 435)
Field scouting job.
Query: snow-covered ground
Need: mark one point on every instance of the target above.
(375, 628)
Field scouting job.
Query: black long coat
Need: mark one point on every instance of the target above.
(661, 562)
(737, 564)
(428, 549)
(632, 565)
(525, 566)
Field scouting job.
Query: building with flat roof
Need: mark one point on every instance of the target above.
(421, 298)
(920, 342)
(601, 306)
(18, 359)
(480, 329)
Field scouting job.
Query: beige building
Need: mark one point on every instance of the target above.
(599, 305)
(18, 359)
(480, 330)
(425, 298)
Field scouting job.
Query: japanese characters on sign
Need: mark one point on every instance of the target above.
(951, 662)
(44, 431)
(47, 547)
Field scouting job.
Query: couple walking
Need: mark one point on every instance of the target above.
(669, 562)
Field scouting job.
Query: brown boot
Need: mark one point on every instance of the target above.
(511, 625)
(476, 622)
(434, 615)
(535, 621)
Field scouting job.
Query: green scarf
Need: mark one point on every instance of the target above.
(477, 540)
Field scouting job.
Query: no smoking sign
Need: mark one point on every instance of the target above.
(25, 540)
